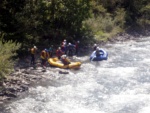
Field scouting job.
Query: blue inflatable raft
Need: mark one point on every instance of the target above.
(103, 55)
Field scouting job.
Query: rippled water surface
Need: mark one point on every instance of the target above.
(119, 85)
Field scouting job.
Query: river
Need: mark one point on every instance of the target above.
(120, 84)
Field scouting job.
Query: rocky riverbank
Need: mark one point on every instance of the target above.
(23, 77)
(133, 33)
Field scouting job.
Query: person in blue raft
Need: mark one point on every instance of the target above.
(99, 55)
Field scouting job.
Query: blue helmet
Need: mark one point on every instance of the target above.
(46, 50)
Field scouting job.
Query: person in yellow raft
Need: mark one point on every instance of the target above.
(33, 52)
(65, 60)
(44, 56)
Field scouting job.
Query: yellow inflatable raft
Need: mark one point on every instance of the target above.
(57, 63)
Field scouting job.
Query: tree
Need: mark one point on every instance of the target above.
(7, 52)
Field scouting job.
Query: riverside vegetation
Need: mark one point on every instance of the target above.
(46, 22)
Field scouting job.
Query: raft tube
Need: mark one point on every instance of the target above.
(57, 63)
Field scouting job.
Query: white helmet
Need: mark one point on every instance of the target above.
(35, 47)
(95, 44)
(64, 56)
(97, 48)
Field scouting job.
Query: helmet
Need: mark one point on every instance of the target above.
(78, 41)
(69, 43)
(59, 47)
(35, 47)
(95, 44)
(97, 48)
(64, 56)
(46, 50)
(65, 40)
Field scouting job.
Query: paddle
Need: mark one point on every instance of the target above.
(93, 58)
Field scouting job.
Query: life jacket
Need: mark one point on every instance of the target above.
(44, 54)
(65, 61)
(95, 48)
(97, 53)
(32, 51)
(71, 47)
(59, 53)
(63, 48)
(50, 49)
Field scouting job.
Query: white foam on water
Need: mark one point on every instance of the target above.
(127, 103)
(145, 109)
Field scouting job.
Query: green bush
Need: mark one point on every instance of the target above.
(145, 18)
(7, 52)
(104, 27)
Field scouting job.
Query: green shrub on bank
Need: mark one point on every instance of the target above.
(7, 52)
(145, 19)
(106, 26)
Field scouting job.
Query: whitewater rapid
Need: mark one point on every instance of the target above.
(120, 84)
